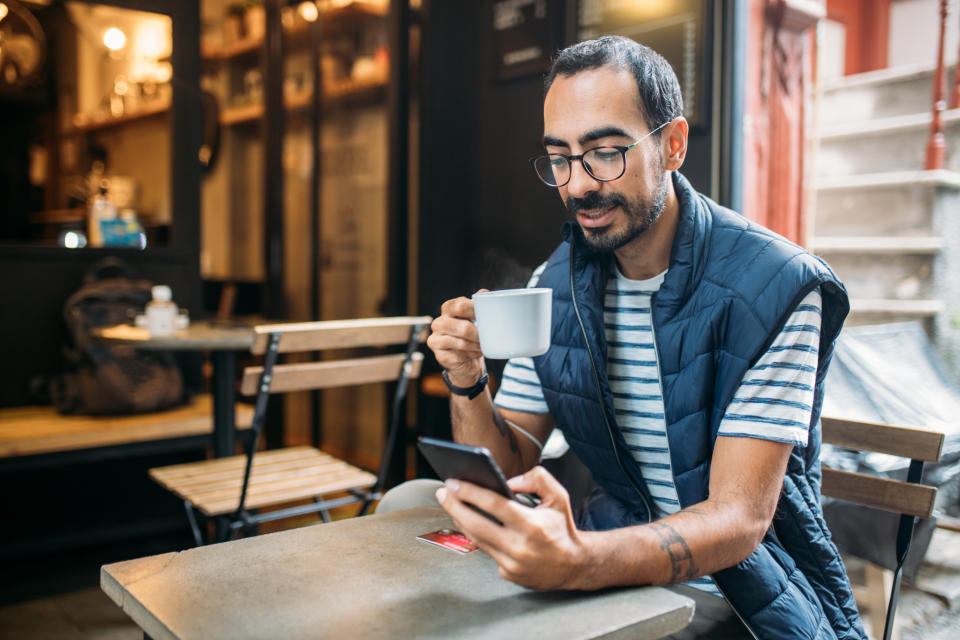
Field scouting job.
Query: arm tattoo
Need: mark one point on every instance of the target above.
(505, 431)
(682, 566)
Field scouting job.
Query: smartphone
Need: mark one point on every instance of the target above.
(473, 464)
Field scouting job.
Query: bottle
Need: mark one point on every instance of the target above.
(161, 312)
(101, 209)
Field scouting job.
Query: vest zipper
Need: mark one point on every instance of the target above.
(734, 609)
(656, 352)
(603, 406)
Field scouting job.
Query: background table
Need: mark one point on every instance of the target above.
(222, 341)
(368, 577)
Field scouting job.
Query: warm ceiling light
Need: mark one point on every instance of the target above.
(114, 39)
(308, 11)
(3, 10)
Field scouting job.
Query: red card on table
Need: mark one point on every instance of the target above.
(449, 539)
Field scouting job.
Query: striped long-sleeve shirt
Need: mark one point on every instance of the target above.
(773, 401)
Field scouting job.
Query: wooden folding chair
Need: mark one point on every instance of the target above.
(909, 498)
(234, 489)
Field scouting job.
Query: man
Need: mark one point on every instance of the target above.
(688, 352)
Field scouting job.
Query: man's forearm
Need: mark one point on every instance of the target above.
(697, 541)
(477, 422)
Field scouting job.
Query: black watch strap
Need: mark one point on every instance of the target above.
(470, 392)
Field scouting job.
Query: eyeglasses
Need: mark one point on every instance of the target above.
(601, 163)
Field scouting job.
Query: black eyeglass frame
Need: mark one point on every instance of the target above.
(586, 167)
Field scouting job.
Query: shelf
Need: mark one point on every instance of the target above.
(347, 91)
(157, 108)
(59, 216)
(237, 115)
(232, 50)
(331, 21)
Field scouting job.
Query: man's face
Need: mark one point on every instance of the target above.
(596, 108)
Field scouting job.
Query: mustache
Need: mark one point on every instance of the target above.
(595, 201)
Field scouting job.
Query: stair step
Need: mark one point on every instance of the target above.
(889, 75)
(911, 122)
(878, 94)
(940, 572)
(878, 244)
(896, 203)
(884, 275)
(934, 178)
(884, 145)
(918, 308)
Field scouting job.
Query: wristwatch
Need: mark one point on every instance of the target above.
(470, 392)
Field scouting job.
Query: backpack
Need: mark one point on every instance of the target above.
(106, 379)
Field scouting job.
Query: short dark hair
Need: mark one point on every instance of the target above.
(658, 90)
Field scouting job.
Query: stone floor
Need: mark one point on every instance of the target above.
(929, 610)
(87, 614)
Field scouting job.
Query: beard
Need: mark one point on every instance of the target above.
(641, 212)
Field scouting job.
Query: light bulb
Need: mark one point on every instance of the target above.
(308, 11)
(114, 39)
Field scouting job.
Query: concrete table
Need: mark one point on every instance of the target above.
(368, 577)
(222, 341)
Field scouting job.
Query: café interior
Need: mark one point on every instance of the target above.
(209, 204)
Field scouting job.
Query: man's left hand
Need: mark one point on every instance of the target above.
(538, 547)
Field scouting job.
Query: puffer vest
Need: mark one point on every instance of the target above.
(730, 289)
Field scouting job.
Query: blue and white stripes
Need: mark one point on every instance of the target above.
(773, 401)
(775, 397)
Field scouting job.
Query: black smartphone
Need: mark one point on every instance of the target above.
(464, 462)
(473, 464)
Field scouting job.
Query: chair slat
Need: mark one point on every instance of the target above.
(260, 496)
(329, 374)
(261, 485)
(277, 476)
(880, 493)
(266, 495)
(907, 442)
(213, 466)
(339, 334)
(227, 477)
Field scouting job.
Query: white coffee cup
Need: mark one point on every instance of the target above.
(513, 322)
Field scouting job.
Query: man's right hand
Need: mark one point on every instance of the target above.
(456, 343)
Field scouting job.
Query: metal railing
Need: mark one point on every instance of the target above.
(936, 143)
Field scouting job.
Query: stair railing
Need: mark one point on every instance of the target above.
(955, 94)
(936, 143)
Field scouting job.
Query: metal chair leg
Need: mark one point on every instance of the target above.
(369, 497)
(197, 537)
(324, 513)
(250, 526)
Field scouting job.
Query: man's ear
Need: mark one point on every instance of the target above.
(675, 143)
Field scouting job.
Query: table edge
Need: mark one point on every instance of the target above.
(139, 614)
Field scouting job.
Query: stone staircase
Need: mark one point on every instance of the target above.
(890, 229)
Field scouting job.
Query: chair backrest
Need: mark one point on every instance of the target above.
(896, 496)
(909, 498)
(335, 334)
(274, 339)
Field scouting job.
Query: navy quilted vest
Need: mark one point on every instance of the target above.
(730, 288)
